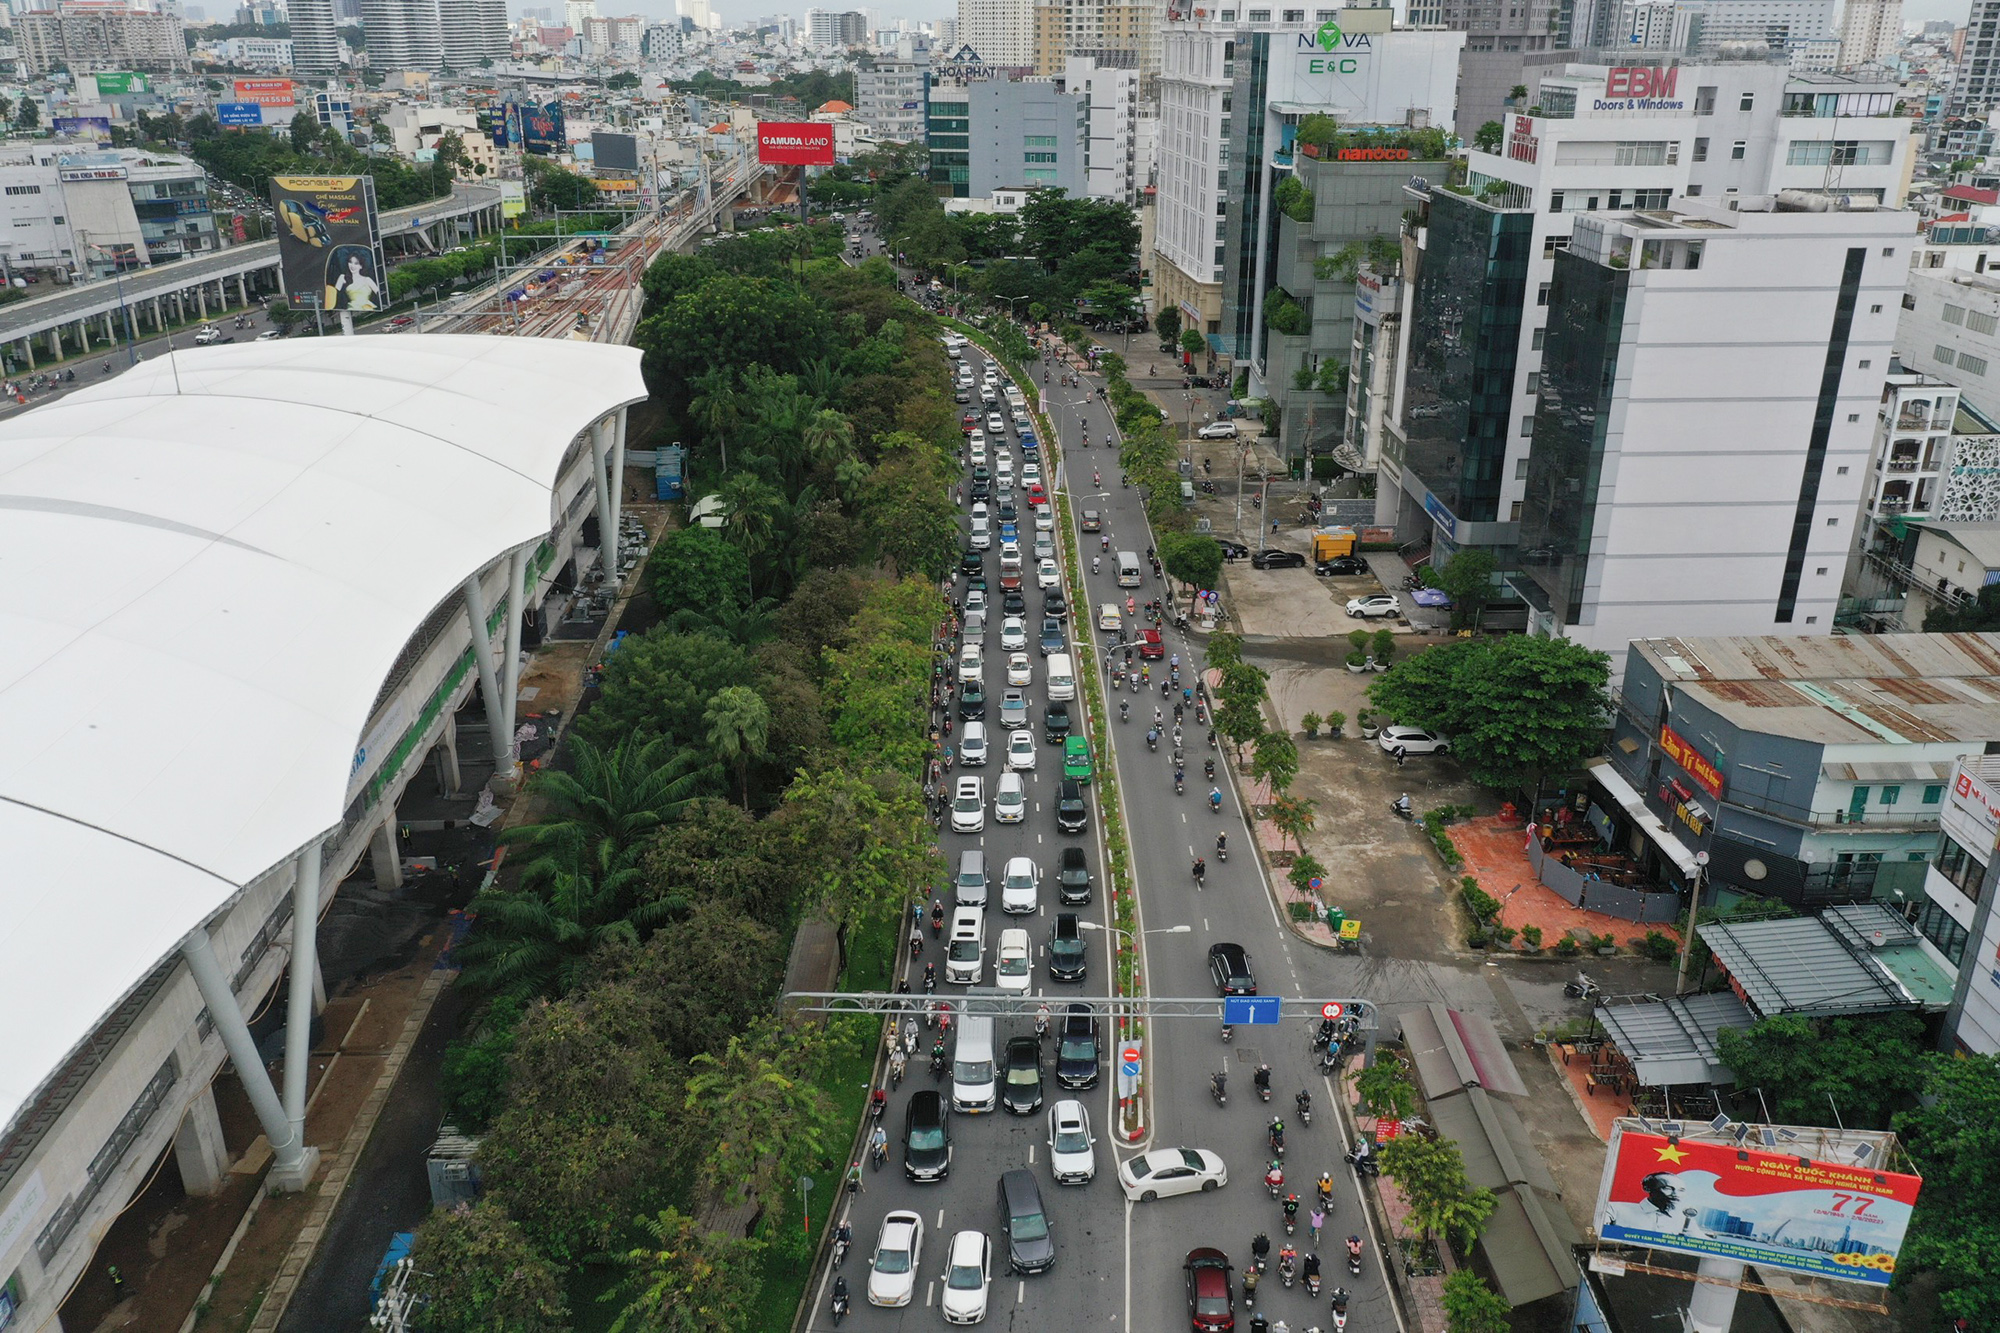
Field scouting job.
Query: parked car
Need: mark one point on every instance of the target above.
(1218, 430)
(1232, 550)
(1341, 567)
(1412, 740)
(1229, 967)
(1272, 558)
(1381, 604)
(892, 1269)
(1167, 1171)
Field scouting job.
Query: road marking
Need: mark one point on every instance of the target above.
(1031, 1154)
(930, 1294)
(940, 1221)
(1021, 1294)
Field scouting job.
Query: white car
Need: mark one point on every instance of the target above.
(1020, 885)
(1072, 1158)
(1045, 519)
(975, 601)
(268, 334)
(1045, 545)
(978, 450)
(966, 1274)
(1013, 634)
(1010, 800)
(968, 805)
(1218, 430)
(892, 1271)
(972, 664)
(1021, 752)
(1164, 1171)
(1030, 473)
(1015, 966)
(1046, 574)
(994, 424)
(980, 509)
(1412, 740)
(1020, 669)
(1381, 604)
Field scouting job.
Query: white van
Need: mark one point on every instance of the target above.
(973, 1084)
(982, 534)
(965, 946)
(1062, 678)
(1129, 574)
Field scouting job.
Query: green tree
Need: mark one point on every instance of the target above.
(1293, 817)
(304, 132)
(697, 572)
(552, 187)
(729, 321)
(1470, 1306)
(1980, 615)
(474, 1074)
(1168, 325)
(1384, 1090)
(479, 1274)
(1304, 870)
(1468, 579)
(598, 815)
(1193, 343)
(688, 1279)
(1516, 708)
(659, 684)
(1488, 136)
(27, 115)
(906, 507)
(1431, 1174)
(769, 1120)
(1224, 650)
(538, 942)
(860, 845)
(1274, 758)
(1194, 558)
(1953, 1137)
(739, 730)
(713, 975)
(1864, 1067)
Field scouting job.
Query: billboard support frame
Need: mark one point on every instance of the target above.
(1697, 1278)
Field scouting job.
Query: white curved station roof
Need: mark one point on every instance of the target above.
(204, 580)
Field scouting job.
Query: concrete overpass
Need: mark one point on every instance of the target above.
(164, 295)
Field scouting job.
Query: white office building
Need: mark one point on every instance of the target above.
(1001, 31)
(1113, 154)
(889, 98)
(473, 32)
(1870, 31)
(1710, 26)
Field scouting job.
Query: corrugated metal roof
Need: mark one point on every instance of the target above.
(1800, 965)
(1529, 1243)
(1493, 1139)
(1851, 689)
(1672, 1042)
(1912, 772)
(1454, 1050)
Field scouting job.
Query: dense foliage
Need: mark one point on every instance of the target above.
(249, 158)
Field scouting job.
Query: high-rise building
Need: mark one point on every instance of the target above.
(1114, 35)
(315, 43)
(1112, 149)
(89, 36)
(473, 32)
(1781, 25)
(996, 133)
(1001, 31)
(889, 98)
(1977, 86)
(1870, 31)
(403, 35)
(836, 29)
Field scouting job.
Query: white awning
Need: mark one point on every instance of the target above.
(1633, 805)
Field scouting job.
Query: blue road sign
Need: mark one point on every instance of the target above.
(1251, 1010)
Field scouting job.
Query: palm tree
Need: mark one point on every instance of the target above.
(753, 505)
(527, 943)
(601, 814)
(716, 407)
(739, 730)
(823, 379)
(827, 439)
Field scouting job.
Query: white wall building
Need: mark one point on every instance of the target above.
(1112, 163)
(1957, 918)
(315, 40)
(1780, 24)
(403, 35)
(890, 97)
(256, 52)
(1190, 203)
(473, 32)
(1870, 31)
(1001, 31)
(1702, 433)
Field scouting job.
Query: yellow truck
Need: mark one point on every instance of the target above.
(1331, 543)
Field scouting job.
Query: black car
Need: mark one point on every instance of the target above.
(1012, 603)
(1270, 558)
(981, 489)
(1025, 1223)
(1066, 953)
(1073, 876)
(1229, 966)
(1076, 1049)
(977, 582)
(1232, 550)
(972, 562)
(971, 701)
(982, 473)
(927, 1137)
(1021, 1077)
(1072, 814)
(1053, 639)
(1008, 512)
(1056, 723)
(1054, 605)
(1341, 567)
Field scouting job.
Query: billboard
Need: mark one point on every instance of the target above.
(82, 127)
(542, 129)
(329, 243)
(614, 152)
(121, 83)
(275, 93)
(513, 199)
(1780, 1210)
(795, 143)
(239, 113)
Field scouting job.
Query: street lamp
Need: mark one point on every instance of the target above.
(118, 282)
(1119, 930)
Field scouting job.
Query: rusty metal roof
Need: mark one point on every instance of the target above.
(1842, 690)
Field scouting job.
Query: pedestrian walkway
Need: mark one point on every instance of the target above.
(1495, 849)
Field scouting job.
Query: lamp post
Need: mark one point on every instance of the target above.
(118, 282)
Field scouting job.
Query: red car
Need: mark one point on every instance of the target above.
(968, 423)
(1210, 1296)
(1150, 644)
(1036, 495)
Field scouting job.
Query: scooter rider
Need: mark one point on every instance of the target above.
(1260, 1249)
(1304, 1101)
(1354, 1254)
(1262, 1078)
(1221, 839)
(1403, 807)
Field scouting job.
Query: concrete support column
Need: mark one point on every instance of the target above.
(82, 337)
(607, 531)
(446, 750)
(510, 684)
(489, 680)
(299, 1009)
(243, 290)
(55, 343)
(198, 1147)
(201, 298)
(294, 1164)
(1711, 1307)
(159, 324)
(618, 471)
(385, 859)
(110, 329)
(28, 351)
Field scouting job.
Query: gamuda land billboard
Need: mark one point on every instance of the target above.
(1841, 1220)
(805, 143)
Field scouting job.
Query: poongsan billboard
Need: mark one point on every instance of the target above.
(1780, 1210)
(329, 246)
(804, 143)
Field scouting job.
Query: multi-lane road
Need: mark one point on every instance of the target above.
(1119, 1264)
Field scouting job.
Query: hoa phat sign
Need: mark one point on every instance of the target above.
(1640, 88)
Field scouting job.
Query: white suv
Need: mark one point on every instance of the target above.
(1020, 885)
(968, 805)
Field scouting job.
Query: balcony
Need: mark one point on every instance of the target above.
(1903, 465)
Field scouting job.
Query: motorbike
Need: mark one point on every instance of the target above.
(938, 1062)
(1179, 786)
(840, 1247)
(1363, 1162)
(1402, 810)
(1124, 710)
(1228, 1034)
(1354, 1257)
(1276, 1137)
(1152, 738)
(1291, 1216)
(839, 1300)
(1339, 1308)
(1305, 1109)
(1218, 1089)
(1582, 988)
(1288, 1267)
(1274, 1180)
(1312, 1283)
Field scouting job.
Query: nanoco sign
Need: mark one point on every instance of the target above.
(1372, 155)
(1640, 88)
(1333, 51)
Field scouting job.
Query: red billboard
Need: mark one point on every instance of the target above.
(804, 143)
(266, 92)
(1827, 1219)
